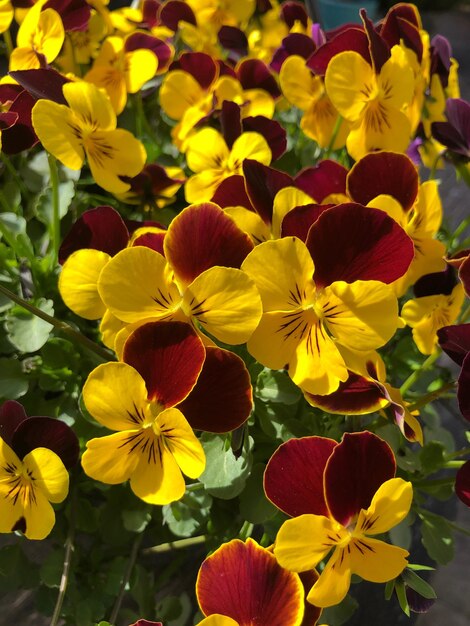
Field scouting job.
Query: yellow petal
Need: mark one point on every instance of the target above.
(78, 282)
(250, 222)
(202, 187)
(206, 150)
(375, 560)
(181, 442)
(333, 585)
(382, 127)
(362, 315)
(178, 92)
(396, 79)
(285, 200)
(48, 472)
(304, 541)
(113, 81)
(116, 396)
(110, 459)
(39, 516)
(249, 145)
(298, 84)
(136, 284)
(90, 105)
(390, 505)
(218, 620)
(348, 81)
(141, 66)
(224, 301)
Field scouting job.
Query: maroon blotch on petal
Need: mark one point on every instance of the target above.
(295, 43)
(322, 180)
(174, 11)
(436, 283)
(151, 240)
(298, 221)
(233, 39)
(455, 341)
(231, 122)
(46, 432)
(42, 83)
(200, 65)
(293, 479)
(254, 74)
(12, 413)
(203, 236)
(351, 242)
(352, 38)
(381, 173)
(355, 396)
(354, 471)
(21, 135)
(169, 356)
(162, 50)
(292, 12)
(221, 401)
(101, 228)
(271, 130)
(262, 184)
(232, 192)
(75, 14)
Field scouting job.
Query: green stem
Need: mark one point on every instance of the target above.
(194, 487)
(54, 175)
(69, 549)
(458, 528)
(329, 149)
(176, 545)
(410, 381)
(246, 530)
(126, 577)
(453, 464)
(436, 482)
(432, 173)
(458, 231)
(61, 326)
(431, 396)
(455, 455)
(14, 174)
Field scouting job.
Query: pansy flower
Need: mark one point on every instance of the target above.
(165, 380)
(197, 281)
(251, 588)
(340, 496)
(87, 128)
(330, 290)
(35, 453)
(439, 298)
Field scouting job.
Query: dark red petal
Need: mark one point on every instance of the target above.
(455, 341)
(293, 479)
(441, 54)
(436, 283)
(200, 65)
(321, 180)
(12, 413)
(416, 602)
(174, 11)
(401, 24)
(222, 398)
(169, 356)
(352, 38)
(151, 240)
(233, 39)
(46, 432)
(232, 192)
(463, 389)
(356, 396)
(464, 275)
(245, 582)
(378, 48)
(292, 12)
(149, 13)
(462, 483)
(262, 184)
(21, 135)
(7, 119)
(271, 130)
(351, 242)
(101, 228)
(75, 14)
(298, 221)
(231, 122)
(203, 236)
(294, 43)
(42, 83)
(384, 173)
(9, 92)
(255, 74)
(162, 50)
(355, 470)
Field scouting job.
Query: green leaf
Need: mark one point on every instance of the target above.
(44, 205)
(27, 332)
(401, 534)
(437, 538)
(418, 584)
(254, 506)
(432, 457)
(51, 569)
(225, 474)
(276, 386)
(13, 382)
(339, 614)
(13, 231)
(136, 520)
(186, 517)
(401, 595)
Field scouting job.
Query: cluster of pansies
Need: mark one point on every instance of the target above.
(233, 196)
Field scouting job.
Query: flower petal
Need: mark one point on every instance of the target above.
(222, 400)
(181, 442)
(293, 479)
(47, 432)
(376, 560)
(354, 472)
(251, 586)
(333, 585)
(48, 472)
(111, 459)
(169, 356)
(78, 283)
(39, 517)
(390, 505)
(462, 483)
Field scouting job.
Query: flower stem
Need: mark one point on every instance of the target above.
(126, 577)
(334, 135)
(246, 530)
(14, 174)
(455, 455)
(431, 396)
(180, 544)
(410, 381)
(8, 41)
(61, 326)
(453, 465)
(54, 176)
(69, 549)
